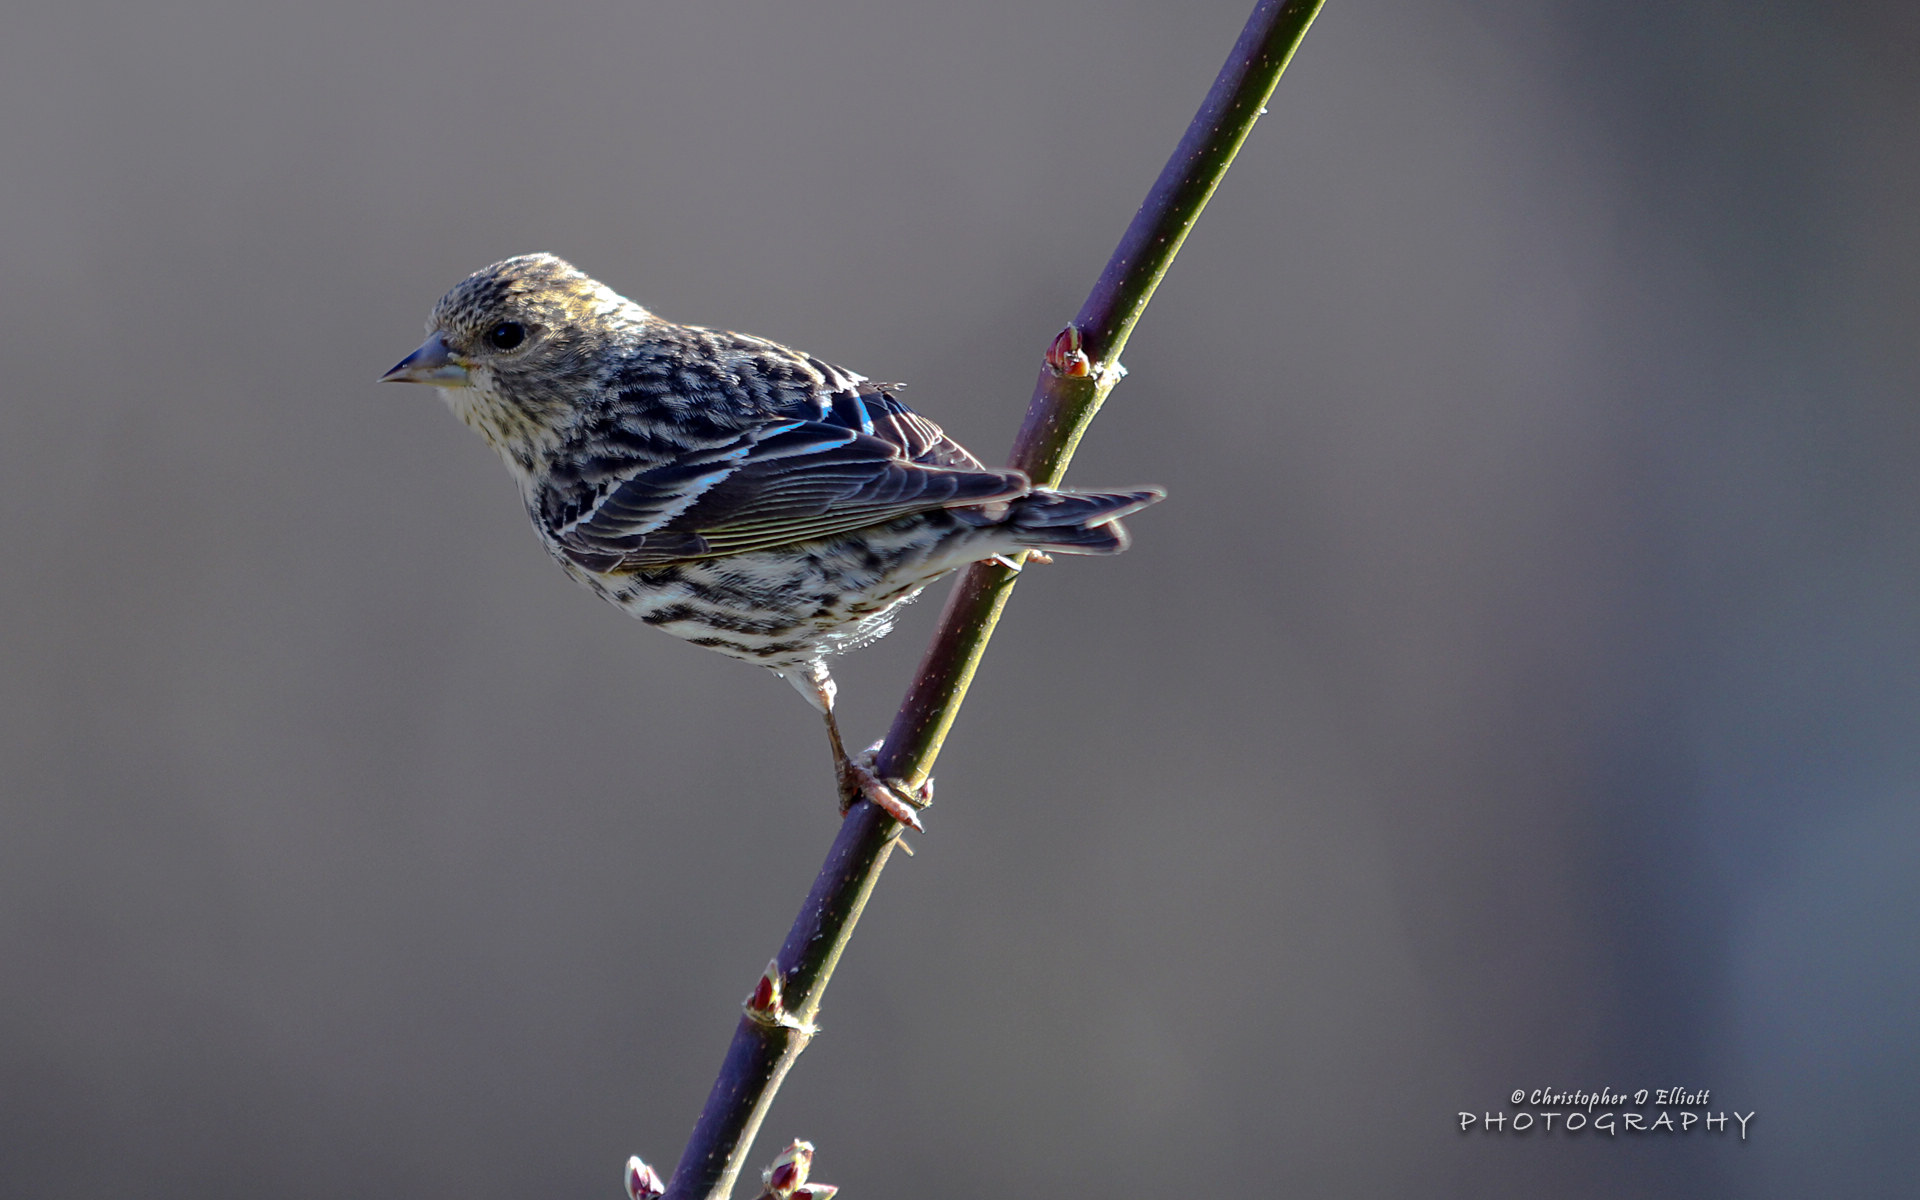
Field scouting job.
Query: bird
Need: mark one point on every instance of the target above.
(734, 492)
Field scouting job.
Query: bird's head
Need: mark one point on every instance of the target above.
(515, 348)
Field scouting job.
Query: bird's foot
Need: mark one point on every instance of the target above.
(858, 780)
(1034, 559)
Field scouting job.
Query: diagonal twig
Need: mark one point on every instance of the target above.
(1080, 370)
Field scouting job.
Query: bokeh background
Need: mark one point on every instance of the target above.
(1519, 688)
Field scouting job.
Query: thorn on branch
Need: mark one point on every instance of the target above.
(786, 1179)
(643, 1182)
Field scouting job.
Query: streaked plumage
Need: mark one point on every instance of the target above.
(736, 493)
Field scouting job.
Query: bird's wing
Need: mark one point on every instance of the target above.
(870, 408)
(791, 481)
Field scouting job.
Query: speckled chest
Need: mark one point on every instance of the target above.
(799, 603)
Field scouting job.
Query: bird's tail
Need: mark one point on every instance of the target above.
(1077, 522)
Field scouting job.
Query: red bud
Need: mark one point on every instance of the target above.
(643, 1182)
(1065, 357)
(789, 1171)
(764, 1005)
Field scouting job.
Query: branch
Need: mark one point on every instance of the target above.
(1081, 368)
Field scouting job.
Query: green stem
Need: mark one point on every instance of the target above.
(1064, 402)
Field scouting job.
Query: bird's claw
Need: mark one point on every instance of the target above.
(859, 780)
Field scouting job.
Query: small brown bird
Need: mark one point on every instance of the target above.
(736, 493)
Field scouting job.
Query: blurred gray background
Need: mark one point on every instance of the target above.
(1518, 689)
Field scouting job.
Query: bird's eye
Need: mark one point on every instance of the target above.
(506, 335)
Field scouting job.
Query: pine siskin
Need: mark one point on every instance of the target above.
(741, 495)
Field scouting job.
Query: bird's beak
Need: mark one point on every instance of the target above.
(432, 363)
